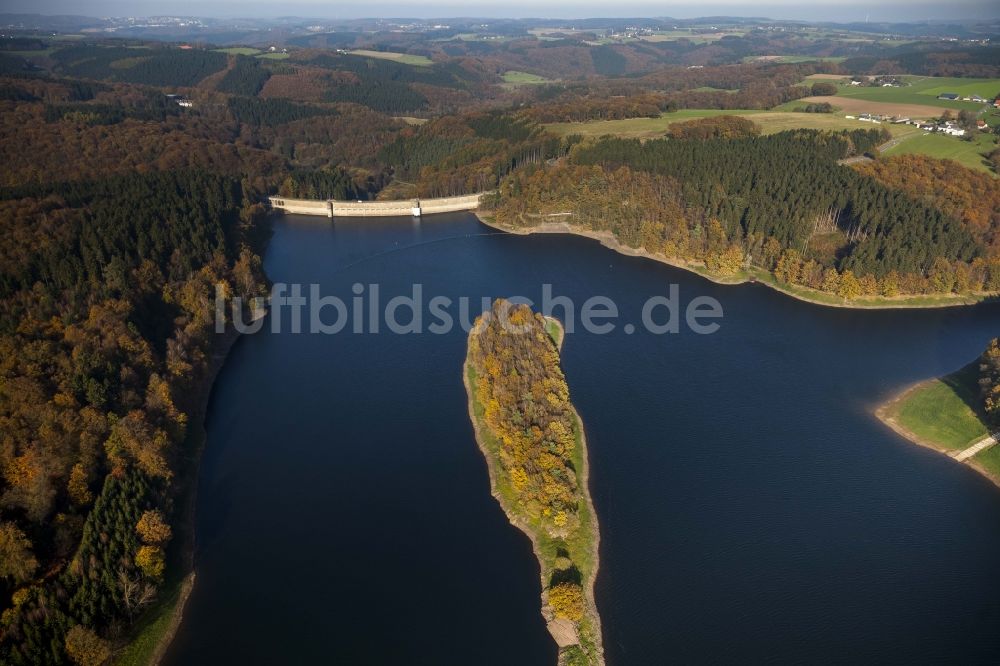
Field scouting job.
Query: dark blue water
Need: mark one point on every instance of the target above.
(751, 508)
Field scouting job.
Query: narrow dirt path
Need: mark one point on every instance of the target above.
(891, 143)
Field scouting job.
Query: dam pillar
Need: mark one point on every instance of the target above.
(415, 210)
(329, 208)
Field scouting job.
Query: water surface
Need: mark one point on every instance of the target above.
(751, 508)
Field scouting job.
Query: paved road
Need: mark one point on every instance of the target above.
(978, 447)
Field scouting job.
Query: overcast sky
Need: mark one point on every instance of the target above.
(826, 10)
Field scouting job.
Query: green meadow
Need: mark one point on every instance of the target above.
(940, 413)
(968, 153)
(514, 77)
(924, 90)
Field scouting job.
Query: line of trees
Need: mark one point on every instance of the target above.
(715, 127)
(989, 382)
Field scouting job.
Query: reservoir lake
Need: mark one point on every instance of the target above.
(751, 507)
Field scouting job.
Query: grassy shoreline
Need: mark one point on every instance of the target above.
(754, 275)
(583, 550)
(941, 414)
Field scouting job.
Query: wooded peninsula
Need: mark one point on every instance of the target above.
(535, 448)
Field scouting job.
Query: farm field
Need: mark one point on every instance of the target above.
(542, 34)
(239, 50)
(34, 53)
(403, 58)
(694, 37)
(792, 59)
(770, 121)
(472, 37)
(854, 106)
(967, 153)
(924, 90)
(515, 78)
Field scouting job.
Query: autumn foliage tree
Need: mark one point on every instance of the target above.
(151, 562)
(989, 381)
(86, 648)
(17, 562)
(567, 601)
(153, 529)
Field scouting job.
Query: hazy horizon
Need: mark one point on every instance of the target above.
(830, 11)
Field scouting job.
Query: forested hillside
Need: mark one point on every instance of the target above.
(961, 193)
(122, 211)
(463, 154)
(144, 64)
(106, 329)
(669, 89)
(780, 202)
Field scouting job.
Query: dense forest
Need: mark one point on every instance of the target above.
(246, 77)
(572, 107)
(143, 64)
(464, 154)
(963, 194)
(930, 62)
(383, 85)
(778, 202)
(526, 401)
(106, 329)
(333, 184)
(88, 131)
(273, 112)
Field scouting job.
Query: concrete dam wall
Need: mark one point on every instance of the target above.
(406, 208)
